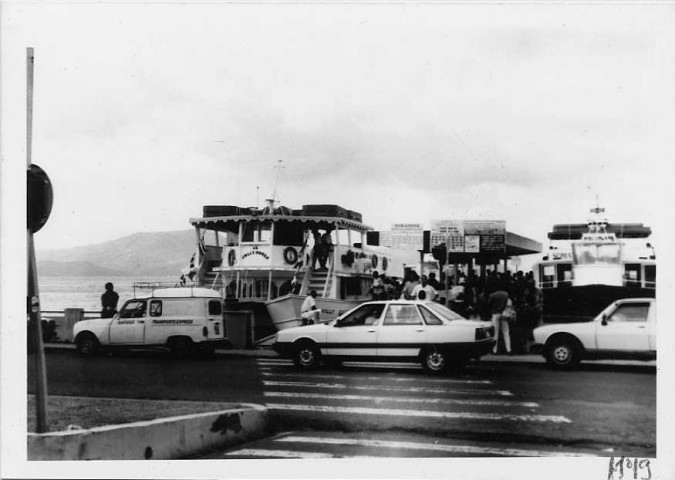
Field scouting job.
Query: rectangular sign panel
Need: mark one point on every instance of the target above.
(470, 236)
(403, 236)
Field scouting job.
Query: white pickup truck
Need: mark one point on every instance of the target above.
(625, 329)
(182, 319)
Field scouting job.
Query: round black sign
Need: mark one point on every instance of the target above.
(40, 198)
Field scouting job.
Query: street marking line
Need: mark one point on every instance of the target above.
(259, 452)
(272, 383)
(500, 403)
(419, 413)
(426, 380)
(508, 452)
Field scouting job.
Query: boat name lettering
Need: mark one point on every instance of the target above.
(175, 321)
(256, 252)
(599, 237)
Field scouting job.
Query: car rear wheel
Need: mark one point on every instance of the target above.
(306, 355)
(563, 353)
(434, 361)
(87, 344)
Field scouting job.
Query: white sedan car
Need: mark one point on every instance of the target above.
(396, 330)
(625, 329)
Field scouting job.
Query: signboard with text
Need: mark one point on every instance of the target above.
(403, 236)
(470, 236)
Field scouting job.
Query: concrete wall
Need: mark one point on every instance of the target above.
(167, 438)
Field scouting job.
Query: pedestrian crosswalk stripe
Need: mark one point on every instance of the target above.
(370, 398)
(419, 413)
(397, 379)
(464, 449)
(425, 390)
(258, 452)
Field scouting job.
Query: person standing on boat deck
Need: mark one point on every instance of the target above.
(308, 311)
(317, 251)
(109, 301)
(327, 248)
(497, 303)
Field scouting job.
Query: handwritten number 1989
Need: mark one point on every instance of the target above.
(630, 467)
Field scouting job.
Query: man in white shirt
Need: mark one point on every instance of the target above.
(430, 292)
(308, 311)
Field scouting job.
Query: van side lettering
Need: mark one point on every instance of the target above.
(172, 322)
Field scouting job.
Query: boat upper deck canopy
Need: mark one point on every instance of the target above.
(230, 223)
(574, 231)
(228, 217)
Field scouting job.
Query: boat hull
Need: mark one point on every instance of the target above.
(285, 310)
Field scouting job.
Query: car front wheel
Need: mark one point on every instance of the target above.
(86, 344)
(306, 355)
(563, 353)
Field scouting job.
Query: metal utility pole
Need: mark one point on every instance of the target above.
(36, 177)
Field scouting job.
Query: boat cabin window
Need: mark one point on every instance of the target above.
(650, 276)
(591, 253)
(632, 274)
(287, 233)
(257, 232)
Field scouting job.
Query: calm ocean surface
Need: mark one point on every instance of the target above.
(58, 293)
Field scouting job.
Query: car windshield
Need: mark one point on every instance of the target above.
(443, 311)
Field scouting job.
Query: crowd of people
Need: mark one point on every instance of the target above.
(470, 296)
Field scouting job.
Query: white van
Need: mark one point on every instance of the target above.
(184, 320)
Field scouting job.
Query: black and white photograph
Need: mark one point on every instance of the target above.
(380, 239)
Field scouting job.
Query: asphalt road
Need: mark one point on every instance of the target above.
(491, 409)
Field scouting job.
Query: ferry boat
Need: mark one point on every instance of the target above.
(590, 265)
(263, 260)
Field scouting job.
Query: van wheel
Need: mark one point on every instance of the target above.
(306, 355)
(179, 347)
(87, 344)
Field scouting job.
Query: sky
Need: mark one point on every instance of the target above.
(405, 112)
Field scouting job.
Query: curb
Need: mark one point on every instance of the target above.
(160, 439)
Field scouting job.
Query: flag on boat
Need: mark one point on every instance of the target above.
(189, 272)
(202, 246)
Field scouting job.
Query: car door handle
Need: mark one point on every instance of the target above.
(371, 331)
(419, 330)
(140, 321)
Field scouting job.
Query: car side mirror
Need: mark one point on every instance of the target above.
(604, 320)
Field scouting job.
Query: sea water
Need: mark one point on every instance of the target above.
(59, 293)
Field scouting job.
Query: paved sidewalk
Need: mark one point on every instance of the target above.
(490, 358)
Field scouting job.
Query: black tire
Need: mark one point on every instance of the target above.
(563, 353)
(434, 361)
(179, 347)
(306, 355)
(87, 344)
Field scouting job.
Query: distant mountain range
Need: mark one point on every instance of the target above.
(139, 254)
